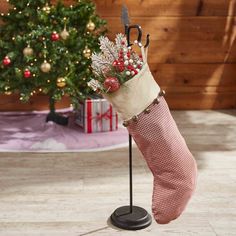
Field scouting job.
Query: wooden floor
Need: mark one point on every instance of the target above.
(73, 194)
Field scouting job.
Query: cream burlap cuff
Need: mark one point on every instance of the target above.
(134, 95)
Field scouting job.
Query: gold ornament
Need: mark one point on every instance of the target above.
(45, 67)
(7, 92)
(64, 34)
(61, 82)
(47, 9)
(87, 52)
(28, 51)
(91, 26)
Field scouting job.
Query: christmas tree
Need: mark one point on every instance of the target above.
(46, 49)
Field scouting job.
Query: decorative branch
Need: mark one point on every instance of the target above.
(108, 48)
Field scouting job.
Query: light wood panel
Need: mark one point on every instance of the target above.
(172, 52)
(189, 75)
(149, 8)
(179, 28)
(201, 100)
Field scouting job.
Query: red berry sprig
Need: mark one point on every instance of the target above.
(119, 65)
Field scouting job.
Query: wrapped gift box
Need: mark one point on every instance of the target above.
(96, 115)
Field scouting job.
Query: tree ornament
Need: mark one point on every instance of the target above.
(45, 67)
(47, 8)
(61, 82)
(27, 73)
(7, 90)
(87, 52)
(55, 36)
(28, 51)
(111, 84)
(64, 34)
(91, 26)
(6, 61)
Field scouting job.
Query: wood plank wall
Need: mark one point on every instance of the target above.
(192, 53)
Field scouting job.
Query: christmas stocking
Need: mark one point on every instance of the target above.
(147, 117)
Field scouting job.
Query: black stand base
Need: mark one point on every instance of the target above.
(135, 220)
(56, 118)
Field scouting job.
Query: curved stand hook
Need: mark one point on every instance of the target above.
(147, 41)
(138, 27)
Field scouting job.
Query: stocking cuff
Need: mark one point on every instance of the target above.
(135, 95)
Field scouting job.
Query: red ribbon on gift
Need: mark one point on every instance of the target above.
(99, 116)
(106, 115)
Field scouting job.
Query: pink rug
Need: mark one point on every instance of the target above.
(28, 132)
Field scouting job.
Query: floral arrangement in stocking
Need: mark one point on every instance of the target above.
(114, 65)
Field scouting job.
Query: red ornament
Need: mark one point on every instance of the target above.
(27, 73)
(55, 36)
(111, 84)
(6, 61)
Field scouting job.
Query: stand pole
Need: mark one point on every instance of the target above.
(130, 175)
(130, 217)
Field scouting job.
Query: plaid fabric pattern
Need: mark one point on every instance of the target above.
(168, 157)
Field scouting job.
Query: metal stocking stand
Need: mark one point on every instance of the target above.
(131, 217)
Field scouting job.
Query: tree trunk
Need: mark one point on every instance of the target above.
(55, 117)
